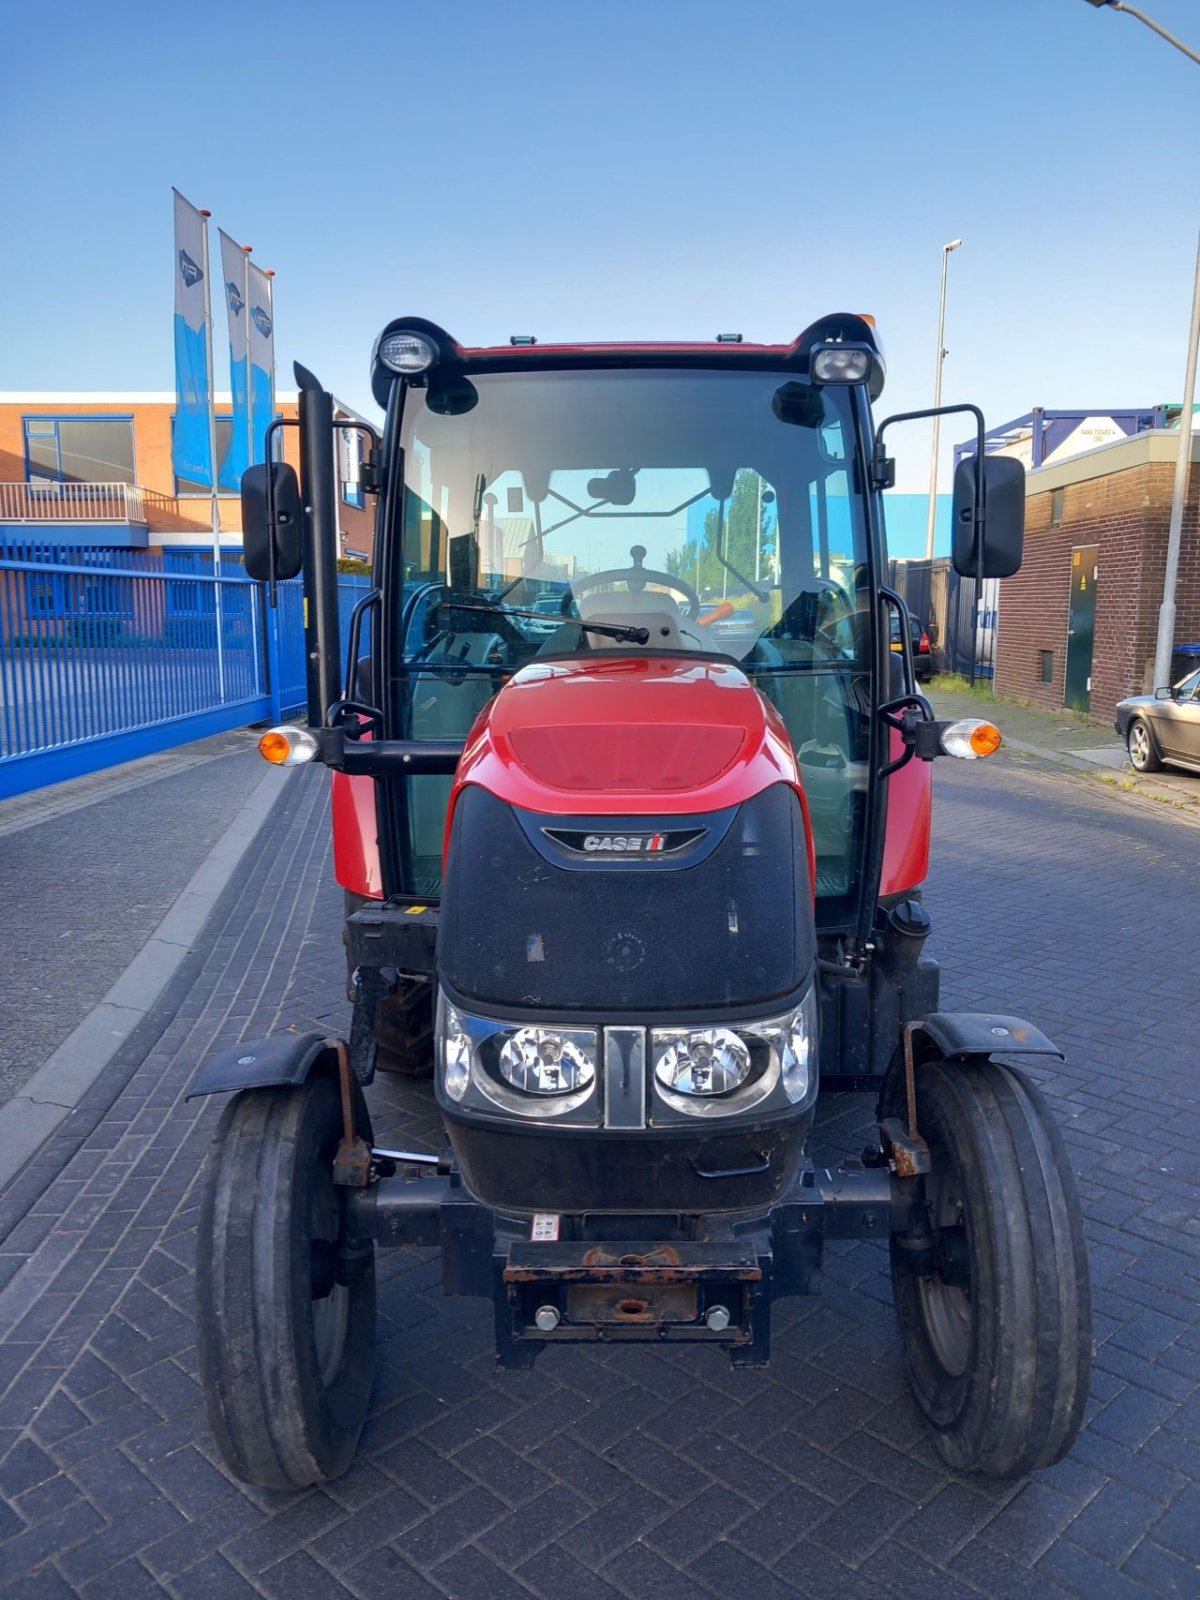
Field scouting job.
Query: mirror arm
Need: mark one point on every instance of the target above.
(268, 443)
(882, 465)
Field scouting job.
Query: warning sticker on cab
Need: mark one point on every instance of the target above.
(545, 1227)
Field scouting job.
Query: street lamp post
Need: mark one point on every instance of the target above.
(1164, 644)
(937, 400)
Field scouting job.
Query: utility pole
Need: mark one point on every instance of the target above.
(937, 400)
(1165, 641)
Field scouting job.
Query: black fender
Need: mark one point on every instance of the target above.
(282, 1061)
(960, 1036)
(984, 1033)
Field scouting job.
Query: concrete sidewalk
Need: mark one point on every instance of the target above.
(109, 881)
(1072, 743)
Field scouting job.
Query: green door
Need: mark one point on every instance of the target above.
(1081, 627)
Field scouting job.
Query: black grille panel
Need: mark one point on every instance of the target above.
(734, 929)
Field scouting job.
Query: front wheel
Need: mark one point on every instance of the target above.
(286, 1349)
(997, 1329)
(1139, 742)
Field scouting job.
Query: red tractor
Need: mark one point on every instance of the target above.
(632, 807)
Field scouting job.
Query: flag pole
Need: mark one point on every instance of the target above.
(247, 251)
(212, 450)
(270, 277)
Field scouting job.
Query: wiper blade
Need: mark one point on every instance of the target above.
(611, 630)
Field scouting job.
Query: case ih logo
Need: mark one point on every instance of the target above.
(625, 844)
(648, 844)
(188, 270)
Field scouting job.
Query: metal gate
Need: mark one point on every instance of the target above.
(107, 655)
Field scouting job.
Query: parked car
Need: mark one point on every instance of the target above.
(1163, 727)
(921, 650)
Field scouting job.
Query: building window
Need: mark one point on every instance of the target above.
(1056, 508)
(185, 489)
(79, 450)
(1047, 666)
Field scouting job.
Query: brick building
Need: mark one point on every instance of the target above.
(95, 469)
(1077, 624)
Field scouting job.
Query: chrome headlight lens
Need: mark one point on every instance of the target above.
(488, 1065)
(701, 1061)
(549, 1060)
(718, 1072)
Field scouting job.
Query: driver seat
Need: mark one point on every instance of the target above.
(639, 608)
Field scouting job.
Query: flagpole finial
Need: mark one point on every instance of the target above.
(206, 213)
(247, 249)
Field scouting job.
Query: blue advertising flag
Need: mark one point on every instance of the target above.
(261, 334)
(234, 277)
(191, 449)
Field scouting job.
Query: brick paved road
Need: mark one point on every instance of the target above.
(634, 1473)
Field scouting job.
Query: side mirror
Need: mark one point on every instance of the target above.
(271, 516)
(1164, 694)
(1003, 532)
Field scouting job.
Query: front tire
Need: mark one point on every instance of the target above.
(286, 1352)
(997, 1340)
(1139, 742)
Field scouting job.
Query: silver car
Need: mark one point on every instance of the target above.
(1163, 727)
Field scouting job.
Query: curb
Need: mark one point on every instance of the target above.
(51, 1095)
(1144, 793)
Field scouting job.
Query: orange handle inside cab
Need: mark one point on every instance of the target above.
(725, 609)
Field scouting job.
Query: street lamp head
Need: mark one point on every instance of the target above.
(953, 245)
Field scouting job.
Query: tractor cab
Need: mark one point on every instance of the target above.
(631, 801)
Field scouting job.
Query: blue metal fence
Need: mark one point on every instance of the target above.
(107, 655)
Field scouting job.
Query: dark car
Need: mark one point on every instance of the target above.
(1163, 727)
(921, 651)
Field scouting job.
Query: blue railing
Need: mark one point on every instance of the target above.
(106, 655)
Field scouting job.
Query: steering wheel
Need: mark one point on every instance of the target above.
(636, 578)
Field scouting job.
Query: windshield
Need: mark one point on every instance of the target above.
(552, 513)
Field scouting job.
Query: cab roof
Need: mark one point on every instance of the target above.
(840, 327)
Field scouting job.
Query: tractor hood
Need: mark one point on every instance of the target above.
(618, 736)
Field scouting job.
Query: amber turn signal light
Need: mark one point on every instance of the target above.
(287, 747)
(971, 737)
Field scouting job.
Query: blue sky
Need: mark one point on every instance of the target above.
(668, 168)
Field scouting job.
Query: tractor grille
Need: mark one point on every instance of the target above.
(735, 928)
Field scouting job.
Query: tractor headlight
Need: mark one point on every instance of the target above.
(715, 1072)
(702, 1061)
(407, 353)
(484, 1064)
(549, 1060)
